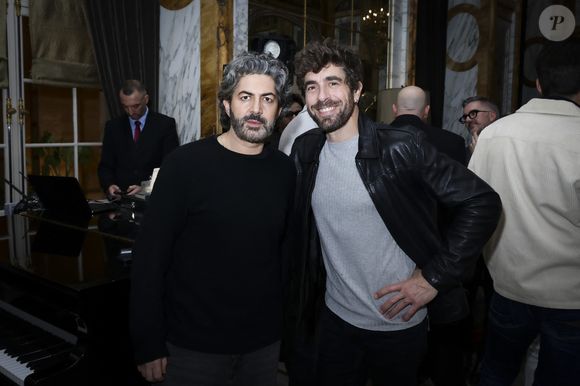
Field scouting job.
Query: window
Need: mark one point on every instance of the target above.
(54, 129)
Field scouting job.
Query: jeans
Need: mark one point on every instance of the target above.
(349, 355)
(187, 367)
(512, 328)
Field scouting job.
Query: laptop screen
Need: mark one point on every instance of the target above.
(60, 195)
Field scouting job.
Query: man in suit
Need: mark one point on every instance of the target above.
(444, 362)
(412, 109)
(135, 144)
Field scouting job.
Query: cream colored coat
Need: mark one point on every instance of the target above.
(532, 159)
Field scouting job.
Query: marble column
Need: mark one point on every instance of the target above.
(179, 63)
(392, 77)
(463, 41)
(399, 43)
(240, 26)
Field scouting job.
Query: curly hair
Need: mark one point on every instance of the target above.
(251, 63)
(316, 55)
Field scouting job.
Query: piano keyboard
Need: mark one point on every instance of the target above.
(30, 347)
(13, 369)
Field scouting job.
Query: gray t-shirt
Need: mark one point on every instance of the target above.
(359, 252)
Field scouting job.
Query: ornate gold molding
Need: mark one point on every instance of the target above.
(174, 5)
(216, 51)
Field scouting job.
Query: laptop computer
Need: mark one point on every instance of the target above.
(64, 195)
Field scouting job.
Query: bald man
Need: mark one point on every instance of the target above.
(412, 109)
(444, 362)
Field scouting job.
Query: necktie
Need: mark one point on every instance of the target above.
(137, 131)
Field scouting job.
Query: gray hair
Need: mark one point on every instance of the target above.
(251, 63)
(486, 101)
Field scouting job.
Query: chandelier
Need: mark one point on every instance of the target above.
(378, 18)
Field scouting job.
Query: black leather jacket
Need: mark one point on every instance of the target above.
(406, 178)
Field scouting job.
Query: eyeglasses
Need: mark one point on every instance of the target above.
(471, 115)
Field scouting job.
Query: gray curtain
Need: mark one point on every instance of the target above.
(125, 35)
(431, 49)
(61, 48)
(3, 51)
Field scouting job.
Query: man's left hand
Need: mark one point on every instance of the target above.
(414, 293)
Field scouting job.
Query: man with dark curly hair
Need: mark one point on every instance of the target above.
(371, 257)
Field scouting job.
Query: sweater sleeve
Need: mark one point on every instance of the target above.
(152, 254)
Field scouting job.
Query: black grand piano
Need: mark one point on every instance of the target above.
(64, 300)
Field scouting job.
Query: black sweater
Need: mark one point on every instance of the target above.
(206, 271)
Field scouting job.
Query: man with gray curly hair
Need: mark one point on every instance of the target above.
(206, 287)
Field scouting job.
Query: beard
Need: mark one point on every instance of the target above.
(476, 129)
(330, 124)
(252, 135)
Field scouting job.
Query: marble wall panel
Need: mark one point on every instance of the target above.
(461, 76)
(240, 26)
(458, 86)
(179, 63)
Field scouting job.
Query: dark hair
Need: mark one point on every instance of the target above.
(558, 68)
(292, 98)
(317, 55)
(486, 102)
(295, 98)
(131, 85)
(251, 63)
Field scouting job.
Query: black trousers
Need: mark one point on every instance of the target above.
(444, 362)
(257, 368)
(348, 355)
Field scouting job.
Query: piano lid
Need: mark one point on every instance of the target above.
(54, 239)
(74, 255)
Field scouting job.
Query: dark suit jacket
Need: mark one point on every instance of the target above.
(124, 162)
(444, 141)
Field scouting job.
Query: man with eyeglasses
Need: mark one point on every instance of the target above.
(478, 112)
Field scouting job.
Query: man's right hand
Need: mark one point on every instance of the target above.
(113, 192)
(473, 141)
(153, 371)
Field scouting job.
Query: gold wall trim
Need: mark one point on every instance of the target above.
(216, 50)
(174, 5)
